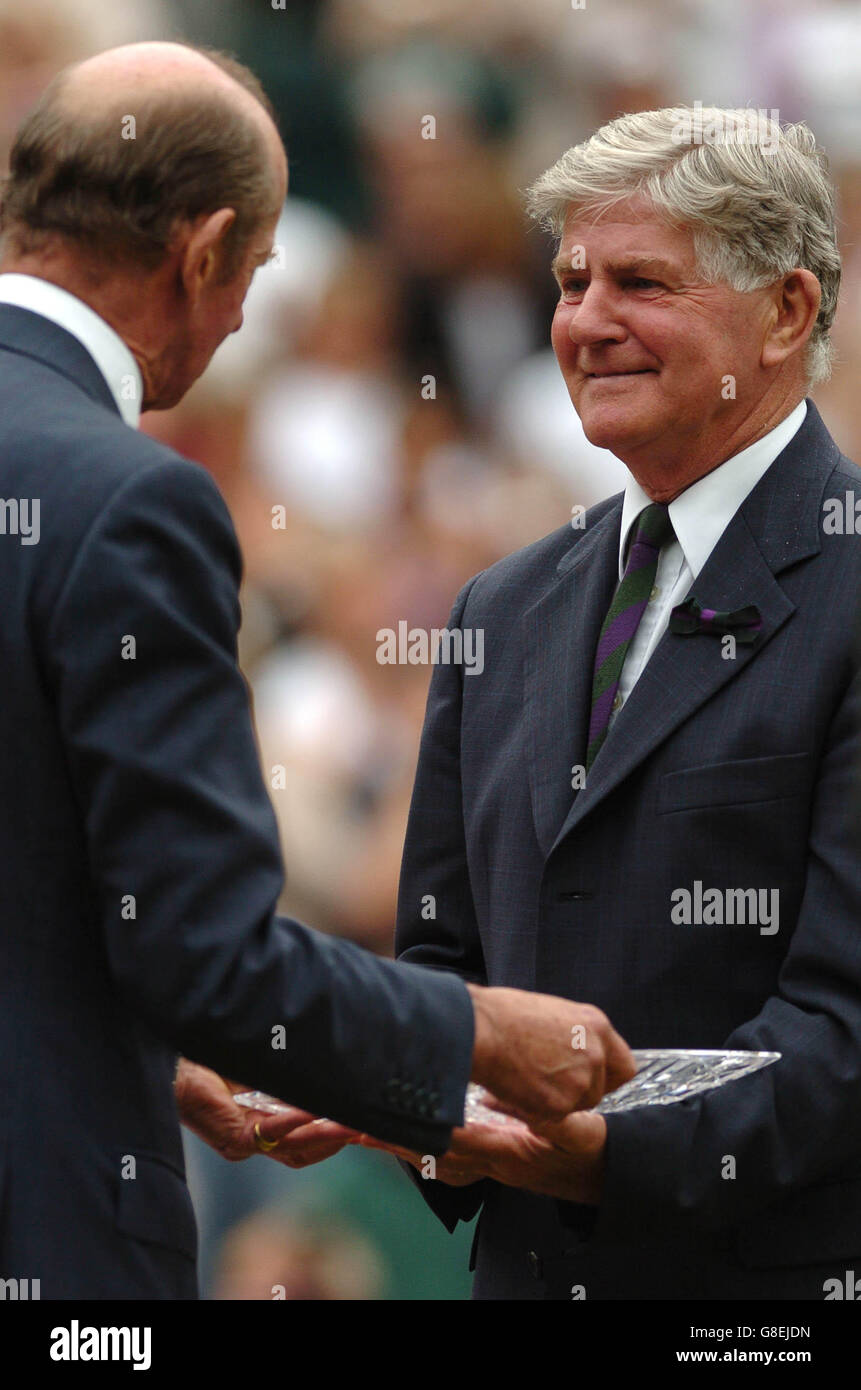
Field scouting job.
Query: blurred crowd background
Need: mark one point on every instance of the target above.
(390, 420)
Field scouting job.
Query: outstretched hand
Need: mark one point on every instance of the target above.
(562, 1159)
(206, 1106)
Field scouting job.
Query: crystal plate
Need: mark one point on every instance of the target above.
(664, 1076)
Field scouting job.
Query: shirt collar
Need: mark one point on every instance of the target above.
(107, 349)
(701, 513)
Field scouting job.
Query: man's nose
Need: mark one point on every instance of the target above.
(596, 318)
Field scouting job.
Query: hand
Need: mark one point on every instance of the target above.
(564, 1160)
(542, 1057)
(206, 1106)
(312, 1141)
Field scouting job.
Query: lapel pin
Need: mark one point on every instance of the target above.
(743, 623)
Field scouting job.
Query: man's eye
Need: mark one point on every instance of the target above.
(573, 286)
(641, 283)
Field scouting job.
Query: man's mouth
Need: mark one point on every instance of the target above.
(601, 376)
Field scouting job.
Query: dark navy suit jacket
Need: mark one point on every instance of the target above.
(140, 859)
(737, 773)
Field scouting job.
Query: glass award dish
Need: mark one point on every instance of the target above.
(664, 1076)
(258, 1100)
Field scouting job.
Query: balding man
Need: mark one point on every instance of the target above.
(140, 850)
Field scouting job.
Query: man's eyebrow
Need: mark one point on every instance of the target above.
(625, 265)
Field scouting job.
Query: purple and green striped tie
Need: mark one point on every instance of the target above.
(653, 530)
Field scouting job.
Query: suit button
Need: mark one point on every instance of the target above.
(535, 1264)
(393, 1089)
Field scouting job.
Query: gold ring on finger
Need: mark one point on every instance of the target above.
(264, 1145)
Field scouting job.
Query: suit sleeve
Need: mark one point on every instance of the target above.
(141, 653)
(436, 923)
(797, 1122)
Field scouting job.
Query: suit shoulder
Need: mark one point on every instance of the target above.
(109, 495)
(83, 469)
(535, 565)
(149, 467)
(75, 454)
(846, 468)
(154, 488)
(839, 519)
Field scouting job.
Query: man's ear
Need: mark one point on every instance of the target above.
(203, 253)
(793, 316)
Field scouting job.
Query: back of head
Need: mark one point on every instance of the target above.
(113, 176)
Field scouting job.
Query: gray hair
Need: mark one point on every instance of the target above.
(755, 193)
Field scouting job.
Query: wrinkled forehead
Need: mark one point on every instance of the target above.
(627, 236)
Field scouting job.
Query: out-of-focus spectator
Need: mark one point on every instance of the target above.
(39, 38)
(359, 1206)
(535, 423)
(273, 1256)
(434, 123)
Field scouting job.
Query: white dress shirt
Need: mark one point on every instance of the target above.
(105, 346)
(700, 515)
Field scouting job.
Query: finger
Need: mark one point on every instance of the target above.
(235, 1087)
(579, 1133)
(512, 1115)
(324, 1130)
(311, 1140)
(303, 1156)
(367, 1141)
(274, 1127)
(454, 1177)
(597, 1084)
(620, 1061)
(478, 1142)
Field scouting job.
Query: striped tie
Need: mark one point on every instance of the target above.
(654, 529)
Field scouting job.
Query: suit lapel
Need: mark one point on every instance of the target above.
(776, 526)
(561, 633)
(685, 671)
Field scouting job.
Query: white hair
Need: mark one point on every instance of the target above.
(755, 193)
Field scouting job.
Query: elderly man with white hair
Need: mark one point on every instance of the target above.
(646, 800)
